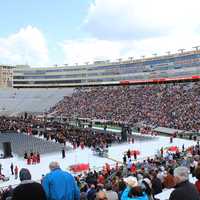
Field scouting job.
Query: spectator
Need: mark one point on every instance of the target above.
(147, 186)
(91, 194)
(156, 183)
(16, 172)
(83, 192)
(12, 168)
(184, 190)
(136, 193)
(130, 183)
(28, 189)
(60, 185)
(111, 195)
(101, 195)
(124, 159)
(169, 179)
(7, 194)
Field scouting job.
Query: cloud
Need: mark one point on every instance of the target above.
(133, 28)
(92, 49)
(28, 45)
(138, 19)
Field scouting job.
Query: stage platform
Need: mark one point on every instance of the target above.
(22, 142)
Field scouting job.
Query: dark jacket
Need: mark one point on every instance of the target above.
(91, 195)
(185, 191)
(156, 186)
(28, 190)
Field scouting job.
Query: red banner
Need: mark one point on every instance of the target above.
(79, 167)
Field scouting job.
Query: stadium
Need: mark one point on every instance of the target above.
(100, 100)
(81, 113)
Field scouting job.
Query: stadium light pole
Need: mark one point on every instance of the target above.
(143, 57)
(181, 51)
(168, 53)
(86, 74)
(196, 48)
(76, 64)
(119, 59)
(130, 58)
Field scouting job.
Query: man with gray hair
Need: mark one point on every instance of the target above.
(53, 165)
(184, 190)
(60, 185)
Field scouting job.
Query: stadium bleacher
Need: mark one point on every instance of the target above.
(15, 101)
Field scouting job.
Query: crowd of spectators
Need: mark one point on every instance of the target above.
(89, 137)
(19, 124)
(174, 105)
(142, 182)
(59, 132)
(167, 105)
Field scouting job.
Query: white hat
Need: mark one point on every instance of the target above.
(131, 181)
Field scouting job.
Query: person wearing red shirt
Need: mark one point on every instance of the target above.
(108, 168)
(38, 157)
(117, 166)
(34, 159)
(133, 168)
(28, 160)
(101, 179)
(82, 145)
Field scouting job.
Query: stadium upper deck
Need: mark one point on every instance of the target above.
(180, 65)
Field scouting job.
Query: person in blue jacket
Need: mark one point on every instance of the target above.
(133, 191)
(60, 185)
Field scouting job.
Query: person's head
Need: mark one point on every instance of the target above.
(139, 176)
(121, 185)
(108, 186)
(101, 195)
(152, 174)
(24, 174)
(135, 192)
(54, 165)
(170, 171)
(131, 181)
(92, 186)
(181, 174)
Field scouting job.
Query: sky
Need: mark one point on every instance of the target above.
(49, 32)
